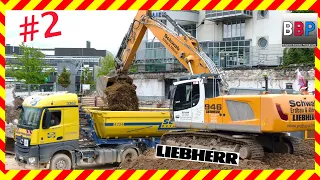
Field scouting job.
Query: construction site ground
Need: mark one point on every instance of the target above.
(271, 161)
(11, 164)
(149, 161)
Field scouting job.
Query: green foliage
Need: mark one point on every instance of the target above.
(29, 67)
(64, 78)
(86, 77)
(107, 64)
(299, 55)
(133, 69)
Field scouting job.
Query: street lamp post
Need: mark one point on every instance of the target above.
(266, 81)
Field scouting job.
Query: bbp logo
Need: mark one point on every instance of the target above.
(299, 30)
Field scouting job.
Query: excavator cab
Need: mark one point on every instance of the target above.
(189, 94)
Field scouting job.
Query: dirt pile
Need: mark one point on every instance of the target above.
(11, 112)
(271, 161)
(121, 95)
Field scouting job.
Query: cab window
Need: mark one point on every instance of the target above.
(55, 118)
(186, 96)
(212, 88)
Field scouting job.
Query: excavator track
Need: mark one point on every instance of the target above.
(193, 140)
(297, 145)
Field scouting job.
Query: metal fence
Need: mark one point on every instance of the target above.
(159, 59)
(24, 90)
(21, 89)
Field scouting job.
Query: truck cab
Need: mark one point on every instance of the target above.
(48, 125)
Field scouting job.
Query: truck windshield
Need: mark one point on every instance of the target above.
(29, 118)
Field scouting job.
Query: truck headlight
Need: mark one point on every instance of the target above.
(32, 160)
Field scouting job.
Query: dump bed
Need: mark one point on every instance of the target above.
(148, 122)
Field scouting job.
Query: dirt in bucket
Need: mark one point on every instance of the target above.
(122, 96)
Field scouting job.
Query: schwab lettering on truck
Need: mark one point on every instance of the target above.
(302, 110)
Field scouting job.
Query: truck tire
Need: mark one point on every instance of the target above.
(129, 154)
(60, 162)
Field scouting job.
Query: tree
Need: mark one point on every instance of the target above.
(86, 77)
(107, 64)
(29, 67)
(64, 78)
(299, 55)
(133, 69)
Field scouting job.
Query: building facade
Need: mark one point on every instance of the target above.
(230, 39)
(74, 59)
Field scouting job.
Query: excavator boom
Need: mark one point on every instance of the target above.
(180, 44)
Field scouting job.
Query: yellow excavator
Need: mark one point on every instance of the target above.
(248, 124)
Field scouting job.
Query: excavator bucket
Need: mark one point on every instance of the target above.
(10, 135)
(105, 81)
(102, 83)
(9, 145)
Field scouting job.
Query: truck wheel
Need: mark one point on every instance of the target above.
(129, 154)
(60, 162)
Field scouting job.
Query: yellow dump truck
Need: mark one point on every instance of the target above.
(49, 128)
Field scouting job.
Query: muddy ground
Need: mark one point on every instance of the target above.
(271, 161)
(12, 165)
(149, 161)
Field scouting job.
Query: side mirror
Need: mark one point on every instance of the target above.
(171, 90)
(169, 95)
(47, 120)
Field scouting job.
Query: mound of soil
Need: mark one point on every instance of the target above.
(271, 161)
(122, 96)
(11, 112)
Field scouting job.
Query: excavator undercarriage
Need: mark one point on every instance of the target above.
(249, 146)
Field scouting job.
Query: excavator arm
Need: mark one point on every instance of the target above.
(180, 44)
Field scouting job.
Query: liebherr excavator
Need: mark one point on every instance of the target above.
(248, 124)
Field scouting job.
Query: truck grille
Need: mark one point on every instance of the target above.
(19, 147)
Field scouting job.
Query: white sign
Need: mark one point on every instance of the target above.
(86, 86)
(197, 155)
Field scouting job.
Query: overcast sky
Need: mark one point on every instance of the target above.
(105, 29)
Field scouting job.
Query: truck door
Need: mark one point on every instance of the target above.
(53, 133)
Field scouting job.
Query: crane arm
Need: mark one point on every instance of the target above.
(131, 42)
(180, 44)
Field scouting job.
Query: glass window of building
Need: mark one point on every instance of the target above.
(228, 53)
(263, 14)
(190, 28)
(262, 42)
(234, 30)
